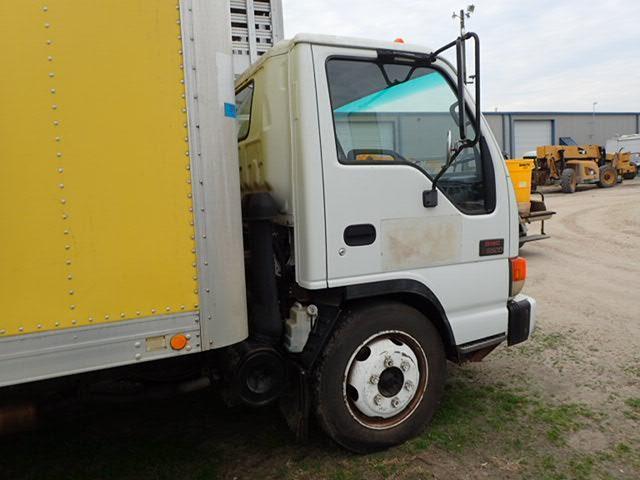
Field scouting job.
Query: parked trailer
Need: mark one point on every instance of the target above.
(375, 248)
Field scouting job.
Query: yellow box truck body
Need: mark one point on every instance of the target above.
(102, 225)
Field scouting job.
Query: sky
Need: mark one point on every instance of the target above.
(536, 55)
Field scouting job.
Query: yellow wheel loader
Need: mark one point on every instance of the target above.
(626, 168)
(570, 165)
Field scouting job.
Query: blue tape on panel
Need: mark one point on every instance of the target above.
(230, 110)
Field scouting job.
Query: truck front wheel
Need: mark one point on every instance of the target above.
(381, 377)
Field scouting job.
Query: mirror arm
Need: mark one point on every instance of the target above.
(478, 114)
(476, 40)
(461, 71)
(430, 197)
(437, 52)
(445, 167)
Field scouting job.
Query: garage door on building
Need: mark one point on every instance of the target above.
(530, 134)
(366, 135)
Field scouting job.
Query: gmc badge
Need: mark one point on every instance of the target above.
(491, 247)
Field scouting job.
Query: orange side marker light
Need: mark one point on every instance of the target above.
(178, 342)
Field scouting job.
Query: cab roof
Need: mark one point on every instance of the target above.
(285, 46)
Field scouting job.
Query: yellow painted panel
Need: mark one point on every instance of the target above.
(95, 202)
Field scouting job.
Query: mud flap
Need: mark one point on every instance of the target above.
(295, 405)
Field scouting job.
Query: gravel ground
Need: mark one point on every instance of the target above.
(586, 278)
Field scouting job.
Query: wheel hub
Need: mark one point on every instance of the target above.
(383, 378)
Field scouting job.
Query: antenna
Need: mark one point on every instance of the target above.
(464, 14)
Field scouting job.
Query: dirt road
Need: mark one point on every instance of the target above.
(587, 350)
(587, 278)
(565, 405)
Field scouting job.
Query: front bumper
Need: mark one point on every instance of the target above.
(522, 319)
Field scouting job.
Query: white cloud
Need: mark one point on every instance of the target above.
(536, 55)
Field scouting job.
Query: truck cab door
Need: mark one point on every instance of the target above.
(383, 129)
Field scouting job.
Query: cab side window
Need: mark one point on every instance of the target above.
(388, 112)
(244, 101)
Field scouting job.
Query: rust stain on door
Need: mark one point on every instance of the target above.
(409, 243)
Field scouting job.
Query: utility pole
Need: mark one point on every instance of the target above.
(462, 15)
(593, 122)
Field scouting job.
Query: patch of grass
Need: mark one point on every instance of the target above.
(623, 448)
(633, 370)
(470, 412)
(634, 403)
(561, 419)
(548, 466)
(551, 341)
(514, 425)
(386, 468)
(418, 445)
(473, 411)
(627, 456)
(542, 341)
(582, 468)
(345, 475)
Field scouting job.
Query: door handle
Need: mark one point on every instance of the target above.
(359, 235)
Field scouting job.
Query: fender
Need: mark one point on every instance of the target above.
(417, 295)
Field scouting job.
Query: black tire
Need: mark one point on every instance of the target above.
(568, 180)
(608, 176)
(629, 176)
(334, 407)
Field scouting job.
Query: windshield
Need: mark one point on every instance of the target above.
(402, 113)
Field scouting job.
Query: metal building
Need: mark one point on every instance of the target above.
(255, 26)
(520, 132)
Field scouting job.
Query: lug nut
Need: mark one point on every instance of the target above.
(408, 385)
(374, 379)
(377, 399)
(388, 362)
(395, 402)
(405, 366)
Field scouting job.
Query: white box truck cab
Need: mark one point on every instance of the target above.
(393, 220)
(359, 231)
